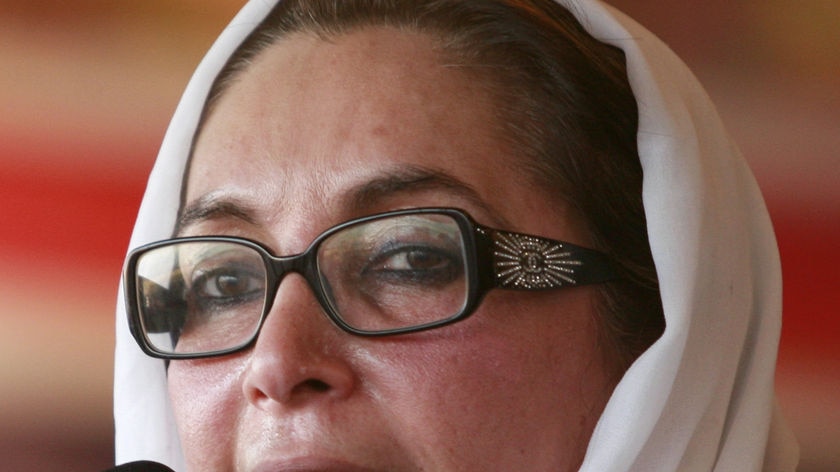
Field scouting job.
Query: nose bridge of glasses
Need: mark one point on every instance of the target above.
(283, 265)
(304, 265)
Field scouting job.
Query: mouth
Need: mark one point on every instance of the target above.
(310, 464)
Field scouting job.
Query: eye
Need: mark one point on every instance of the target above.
(227, 285)
(415, 264)
(416, 259)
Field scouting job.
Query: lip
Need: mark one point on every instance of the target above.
(310, 464)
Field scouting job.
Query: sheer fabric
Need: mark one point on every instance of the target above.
(701, 398)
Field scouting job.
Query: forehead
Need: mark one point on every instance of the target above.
(310, 118)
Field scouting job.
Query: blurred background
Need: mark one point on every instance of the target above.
(87, 88)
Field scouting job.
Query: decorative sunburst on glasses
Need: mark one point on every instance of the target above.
(529, 262)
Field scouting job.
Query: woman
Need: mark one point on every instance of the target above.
(441, 171)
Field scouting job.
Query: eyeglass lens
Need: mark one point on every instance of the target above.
(382, 274)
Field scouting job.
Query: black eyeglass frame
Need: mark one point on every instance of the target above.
(495, 259)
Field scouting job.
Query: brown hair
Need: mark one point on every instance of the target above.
(563, 101)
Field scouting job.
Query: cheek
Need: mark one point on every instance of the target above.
(518, 386)
(206, 400)
(520, 376)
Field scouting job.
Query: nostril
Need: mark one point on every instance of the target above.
(312, 385)
(318, 385)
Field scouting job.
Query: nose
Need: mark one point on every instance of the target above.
(299, 357)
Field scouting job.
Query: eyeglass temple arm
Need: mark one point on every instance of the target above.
(525, 262)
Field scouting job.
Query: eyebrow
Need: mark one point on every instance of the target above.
(402, 180)
(410, 179)
(214, 206)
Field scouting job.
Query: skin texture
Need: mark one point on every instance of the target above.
(317, 132)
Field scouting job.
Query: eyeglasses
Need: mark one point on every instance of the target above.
(386, 274)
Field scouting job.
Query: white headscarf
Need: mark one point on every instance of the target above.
(701, 398)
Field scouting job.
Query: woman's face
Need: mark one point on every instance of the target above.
(312, 134)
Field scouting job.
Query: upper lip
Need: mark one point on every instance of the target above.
(309, 464)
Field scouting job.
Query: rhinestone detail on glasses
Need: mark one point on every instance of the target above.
(528, 262)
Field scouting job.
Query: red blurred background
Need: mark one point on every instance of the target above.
(87, 88)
